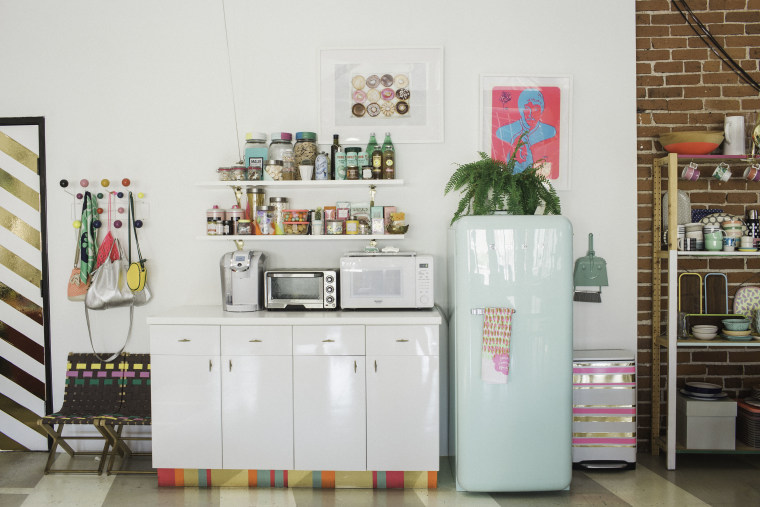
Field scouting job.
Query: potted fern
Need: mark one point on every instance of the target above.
(489, 185)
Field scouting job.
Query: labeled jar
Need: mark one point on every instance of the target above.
(256, 152)
(305, 150)
(340, 165)
(214, 217)
(352, 226)
(226, 227)
(264, 219)
(281, 142)
(234, 215)
(288, 171)
(244, 227)
(334, 227)
(352, 162)
(279, 204)
(322, 167)
(274, 170)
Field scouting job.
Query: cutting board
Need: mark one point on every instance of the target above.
(690, 293)
(716, 293)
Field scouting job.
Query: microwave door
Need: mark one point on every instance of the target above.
(381, 284)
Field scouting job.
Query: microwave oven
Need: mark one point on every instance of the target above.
(382, 280)
(301, 289)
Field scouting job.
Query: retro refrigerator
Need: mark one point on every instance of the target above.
(512, 433)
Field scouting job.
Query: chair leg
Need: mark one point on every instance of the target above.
(58, 440)
(121, 447)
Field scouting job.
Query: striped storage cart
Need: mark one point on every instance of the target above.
(604, 409)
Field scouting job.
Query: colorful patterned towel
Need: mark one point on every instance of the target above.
(497, 329)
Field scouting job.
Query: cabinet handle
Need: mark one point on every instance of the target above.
(209, 365)
(375, 365)
(255, 341)
(230, 364)
(354, 365)
(328, 341)
(183, 340)
(402, 340)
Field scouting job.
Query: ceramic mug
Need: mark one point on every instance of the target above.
(687, 244)
(722, 172)
(752, 173)
(690, 172)
(714, 241)
(746, 242)
(729, 244)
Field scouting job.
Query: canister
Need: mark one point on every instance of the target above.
(279, 204)
(334, 226)
(264, 219)
(244, 227)
(214, 217)
(255, 197)
(234, 214)
(305, 149)
(352, 163)
(238, 172)
(274, 170)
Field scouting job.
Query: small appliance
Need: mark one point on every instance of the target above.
(386, 280)
(242, 281)
(301, 289)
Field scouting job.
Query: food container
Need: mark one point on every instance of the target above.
(255, 197)
(299, 228)
(334, 227)
(274, 170)
(244, 227)
(352, 227)
(224, 173)
(305, 150)
(265, 218)
(279, 204)
(238, 172)
(295, 215)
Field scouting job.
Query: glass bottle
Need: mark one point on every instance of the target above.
(334, 149)
(371, 144)
(388, 158)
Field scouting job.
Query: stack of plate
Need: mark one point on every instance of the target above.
(748, 419)
(703, 391)
(737, 336)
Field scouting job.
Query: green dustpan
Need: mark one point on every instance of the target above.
(590, 271)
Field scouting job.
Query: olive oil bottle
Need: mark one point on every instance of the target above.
(389, 158)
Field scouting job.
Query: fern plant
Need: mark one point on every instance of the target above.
(488, 185)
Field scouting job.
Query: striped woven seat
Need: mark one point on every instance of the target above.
(93, 390)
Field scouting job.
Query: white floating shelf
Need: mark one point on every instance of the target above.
(304, 184)
(304, 237)
(715, 253)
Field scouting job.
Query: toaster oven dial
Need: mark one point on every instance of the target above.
(330, 278)
(330, 299)
(330, 289)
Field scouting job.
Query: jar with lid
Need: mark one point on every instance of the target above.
(264, 219)
(322, 167)
(223, 173)
(352, 162)
(244, 227)
(278, 204)
(305, 150)
(281, 141)
(255, 197)
(214, 217)
(234, 215)
(238, 172)
(256, 152)
(274, 170)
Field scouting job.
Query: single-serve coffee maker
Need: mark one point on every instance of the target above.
(242, 281)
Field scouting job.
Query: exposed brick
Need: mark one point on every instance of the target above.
(688, 54)
(744, 356)
(702, 91)
(653, 55)
(667, 67)
(683, 79)
(668, 42)
(683, 104)
(664, 92)
(709, 356)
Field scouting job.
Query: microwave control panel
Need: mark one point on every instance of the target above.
(424, 293)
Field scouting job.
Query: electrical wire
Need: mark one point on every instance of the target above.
(702, 31)
(232, 86)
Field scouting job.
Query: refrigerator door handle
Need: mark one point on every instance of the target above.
(482, 311)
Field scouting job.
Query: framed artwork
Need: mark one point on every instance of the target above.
(382, 90)
(539, 108)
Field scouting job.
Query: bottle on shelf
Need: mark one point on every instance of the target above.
(388, 158)
(371, 145)
(333, 150)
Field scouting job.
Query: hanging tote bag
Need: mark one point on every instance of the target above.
(76, 288)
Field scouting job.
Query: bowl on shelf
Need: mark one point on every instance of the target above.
(736, 324)
(746, 332)
(704, 335)
(692, 142)
(704, 328)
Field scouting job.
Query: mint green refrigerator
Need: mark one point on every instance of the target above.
(510, 292)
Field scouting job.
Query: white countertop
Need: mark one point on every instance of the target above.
(214, 315)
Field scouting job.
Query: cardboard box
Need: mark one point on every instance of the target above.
(706, 424)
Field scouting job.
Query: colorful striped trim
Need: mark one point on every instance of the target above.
(205, 478)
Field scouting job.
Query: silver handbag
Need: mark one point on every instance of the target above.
(109, 288)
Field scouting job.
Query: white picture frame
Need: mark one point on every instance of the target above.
(418, 71)
(539, 105)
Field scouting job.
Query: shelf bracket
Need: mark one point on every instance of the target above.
(239, 244)
(238, 194)
(372, 192)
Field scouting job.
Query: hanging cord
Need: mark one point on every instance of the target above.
(701, 30)
(232, 86)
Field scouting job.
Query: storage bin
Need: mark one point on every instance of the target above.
(707, 424)
(296, 227)
(295, 215)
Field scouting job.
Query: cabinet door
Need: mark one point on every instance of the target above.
(329, 413)
(186, 411)
(402, 413)
(257, 408)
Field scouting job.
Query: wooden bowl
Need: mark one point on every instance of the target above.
(691, 143)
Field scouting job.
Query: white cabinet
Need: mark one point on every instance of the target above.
(186, 397)
(329, 398)
(257, 397)
(402, 398)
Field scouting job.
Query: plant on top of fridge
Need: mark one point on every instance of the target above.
(488, 185)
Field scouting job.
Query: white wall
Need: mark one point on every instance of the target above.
(142, 90)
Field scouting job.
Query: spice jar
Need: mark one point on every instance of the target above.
(264, 219)
(334, 226)
(279, 204)
(281, 141)
(305, 150)
(352, 163)
(244, 227)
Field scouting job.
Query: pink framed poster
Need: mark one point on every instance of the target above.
(536, 108)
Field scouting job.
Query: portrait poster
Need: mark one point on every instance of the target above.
(534, 109)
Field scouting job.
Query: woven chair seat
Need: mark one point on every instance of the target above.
(126, 420)
(72, 418)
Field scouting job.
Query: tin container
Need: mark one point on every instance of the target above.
(334, 227)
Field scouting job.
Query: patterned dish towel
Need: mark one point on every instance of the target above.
(497, 329)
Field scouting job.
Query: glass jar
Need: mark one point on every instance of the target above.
(265, 218)
(274, 170)
(279, 204)
(305, 150)
(255, 154)
(255, 197)
(223, 173)
(238, 172)
(288, 171)
(244, 227)
(281, 141)
(352, 163)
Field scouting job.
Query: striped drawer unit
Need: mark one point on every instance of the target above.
(604, 409)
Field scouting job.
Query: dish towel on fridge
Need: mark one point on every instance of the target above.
(497, 329)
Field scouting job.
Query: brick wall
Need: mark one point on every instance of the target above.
(682, 85)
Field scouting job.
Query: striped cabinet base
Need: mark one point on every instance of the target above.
(604, 409)
(204, 478)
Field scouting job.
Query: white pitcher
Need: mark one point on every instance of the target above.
(733, 130)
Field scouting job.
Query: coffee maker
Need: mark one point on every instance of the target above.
(242, 281)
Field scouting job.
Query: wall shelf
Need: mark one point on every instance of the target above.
(304, 237)
(303, 184)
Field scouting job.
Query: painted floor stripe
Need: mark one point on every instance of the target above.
(644, 487)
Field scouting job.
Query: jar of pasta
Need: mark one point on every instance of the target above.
(305, 150)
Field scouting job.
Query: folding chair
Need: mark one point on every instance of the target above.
(92, 391)
(134, 411)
